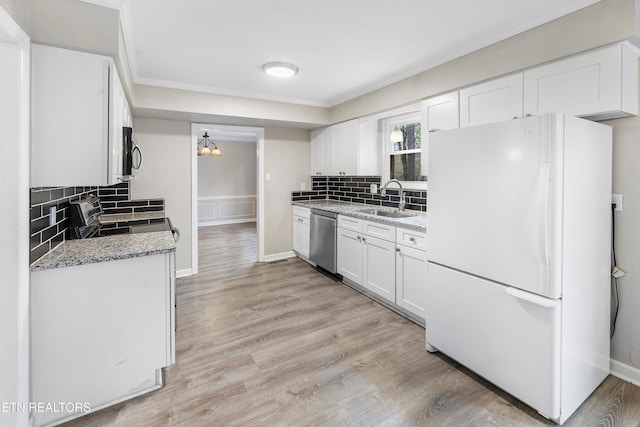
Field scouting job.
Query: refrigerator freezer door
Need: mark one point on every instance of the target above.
(489, 202)
(509, 336)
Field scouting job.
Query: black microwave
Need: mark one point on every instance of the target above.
(131, 155)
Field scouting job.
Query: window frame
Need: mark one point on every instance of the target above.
(387, 125)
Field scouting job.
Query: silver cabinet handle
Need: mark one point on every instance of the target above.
(412, 239)
(398, 250)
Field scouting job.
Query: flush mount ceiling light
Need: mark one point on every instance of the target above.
(280, 69)
(206, 149)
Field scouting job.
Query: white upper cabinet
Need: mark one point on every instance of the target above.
(78, 110)
(493, 101)
(437, 114)
(316, 163)
(600, 84)
(345, 148)
(335, 150)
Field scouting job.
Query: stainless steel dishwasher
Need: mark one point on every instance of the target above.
(322, 243)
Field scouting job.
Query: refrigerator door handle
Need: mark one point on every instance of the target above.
(543, 206)
(532, 298)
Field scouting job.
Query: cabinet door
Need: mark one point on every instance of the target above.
(411, 280)
(439, 113)
(345, 148)
(298, 243)
(306, 235)
(601, 84)
(328, 164)
(350, 255)
(379, 267)
(368, 148)
(316, 165)
(494, 101)
(301, 233)
(101, 340)
(69, 121)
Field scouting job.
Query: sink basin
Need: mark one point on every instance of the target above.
(386, 213)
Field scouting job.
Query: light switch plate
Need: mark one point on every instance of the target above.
(617, 200)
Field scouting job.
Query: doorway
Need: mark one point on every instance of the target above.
(217, 207)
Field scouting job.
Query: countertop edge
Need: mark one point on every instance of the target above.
(117, 247)
(347, 208)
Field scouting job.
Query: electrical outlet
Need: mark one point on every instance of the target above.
(617, 200)
(52, 216)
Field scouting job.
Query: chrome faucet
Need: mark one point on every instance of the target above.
(402, 200)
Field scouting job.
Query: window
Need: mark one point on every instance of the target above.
(402, 158)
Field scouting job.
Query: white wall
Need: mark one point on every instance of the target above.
(625, 346)
(166, 173)
(287, 163)
(227, 184)
(18, 10)
(602, 23)
(74, 24)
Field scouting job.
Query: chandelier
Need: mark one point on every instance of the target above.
(206, 147)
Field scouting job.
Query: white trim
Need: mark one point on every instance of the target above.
(259, 132)
(229, 92)
(226, 197)
(185, 272)
(625, 372)
(278, 257)
(226, 222)
(16, 36)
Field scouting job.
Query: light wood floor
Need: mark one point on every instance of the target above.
(282, 345)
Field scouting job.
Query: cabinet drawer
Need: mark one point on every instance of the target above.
(411, 238)
(303, 212)
(376, 229)
(350, 223)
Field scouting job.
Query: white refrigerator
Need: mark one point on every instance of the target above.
(518, 249)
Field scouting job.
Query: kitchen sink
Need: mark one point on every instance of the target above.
(386, 213)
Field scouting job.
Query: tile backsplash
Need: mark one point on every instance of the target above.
(46, 236)
(356, 189)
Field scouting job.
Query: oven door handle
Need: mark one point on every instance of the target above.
(176, 234)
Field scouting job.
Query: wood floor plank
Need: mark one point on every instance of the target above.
(280, 344)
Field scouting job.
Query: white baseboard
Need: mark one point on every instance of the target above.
(278, 257)
(184, 272)
(225, 222)
(625, 372)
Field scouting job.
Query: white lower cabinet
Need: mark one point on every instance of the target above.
(378, 267)
(301, 231)
(101, 332)
(350, 255)
(411, 280)
(390, 263)
(366, 260)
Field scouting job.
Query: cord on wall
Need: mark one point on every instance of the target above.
(616, 273)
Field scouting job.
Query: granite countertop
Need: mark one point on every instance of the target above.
(108, 248)
(417, 220)
(128, 217)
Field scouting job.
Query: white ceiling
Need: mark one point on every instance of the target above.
(344, 48)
